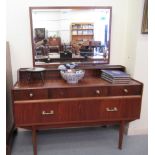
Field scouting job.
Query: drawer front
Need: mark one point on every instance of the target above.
(131, 107)
(101, 110)
(122, 108)
(57, 112)
(95, 91)
(125, 90)
(78, 92)
(49, 112)
(30, 94)
(30, 113)
(77, 110)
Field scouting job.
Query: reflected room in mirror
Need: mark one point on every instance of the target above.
(70, 34)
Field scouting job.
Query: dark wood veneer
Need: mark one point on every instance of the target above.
(30, 94)
(77, 110)
(91, 102)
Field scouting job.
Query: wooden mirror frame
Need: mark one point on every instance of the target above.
(144, 28)
(91, 64)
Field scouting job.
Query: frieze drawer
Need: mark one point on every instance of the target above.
(78, 92)
(125, 90)
(30, 94)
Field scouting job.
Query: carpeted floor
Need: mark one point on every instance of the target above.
(80, 141)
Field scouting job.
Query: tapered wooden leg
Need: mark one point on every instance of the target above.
(121, 132)
(34, 140)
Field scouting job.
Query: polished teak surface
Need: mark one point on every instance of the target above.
(91, 102)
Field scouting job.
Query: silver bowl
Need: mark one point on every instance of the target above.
(72, 76)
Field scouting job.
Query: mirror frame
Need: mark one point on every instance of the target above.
(92, 63)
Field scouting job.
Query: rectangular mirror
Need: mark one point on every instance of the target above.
(70, 34)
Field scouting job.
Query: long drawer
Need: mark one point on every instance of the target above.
(95, 91)
(108, 109)
(125, 90)
(78, 92)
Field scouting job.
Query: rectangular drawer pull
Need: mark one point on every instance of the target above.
(48, 113)
(111, 109)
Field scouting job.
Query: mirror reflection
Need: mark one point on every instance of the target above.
(74, 35)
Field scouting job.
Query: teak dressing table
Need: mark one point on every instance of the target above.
(45, 100)
(91, 102)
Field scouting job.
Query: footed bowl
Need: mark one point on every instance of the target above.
(72, 76)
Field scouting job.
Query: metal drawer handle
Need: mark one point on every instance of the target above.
(31, 94)
(125, 90)
(48, 113)
(97, 92)
(112, 109)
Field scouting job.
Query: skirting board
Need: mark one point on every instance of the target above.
(133, 131)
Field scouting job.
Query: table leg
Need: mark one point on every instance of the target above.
(121, 132)
(34, 140)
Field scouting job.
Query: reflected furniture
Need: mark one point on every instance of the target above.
(82, 32)
(74, 25)
(54, 44)
(49, 45)
(95, 44)
(91, 102)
